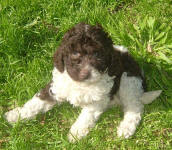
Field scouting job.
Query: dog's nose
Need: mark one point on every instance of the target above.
(84, 74)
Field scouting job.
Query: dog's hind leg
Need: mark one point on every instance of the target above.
(129, 92)
(41, 102)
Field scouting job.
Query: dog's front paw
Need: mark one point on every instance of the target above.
(126, 129)
(76, 133)
(12, 116)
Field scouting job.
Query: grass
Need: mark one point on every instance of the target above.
(30, 32)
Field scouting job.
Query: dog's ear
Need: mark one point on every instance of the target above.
(59, 60)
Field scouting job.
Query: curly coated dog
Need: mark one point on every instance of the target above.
(92, 73)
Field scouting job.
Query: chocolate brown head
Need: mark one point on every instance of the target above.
(84, 48)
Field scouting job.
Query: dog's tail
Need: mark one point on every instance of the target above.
(149, 97)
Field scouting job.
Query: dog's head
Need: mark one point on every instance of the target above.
(85, 51)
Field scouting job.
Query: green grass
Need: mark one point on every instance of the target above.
(30, 32)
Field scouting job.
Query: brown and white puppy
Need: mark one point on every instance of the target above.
(90, 72)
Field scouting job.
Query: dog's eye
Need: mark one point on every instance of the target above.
(76, 57)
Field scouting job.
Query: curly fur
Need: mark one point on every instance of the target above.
(92, 73)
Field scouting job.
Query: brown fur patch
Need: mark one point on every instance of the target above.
(45, 93)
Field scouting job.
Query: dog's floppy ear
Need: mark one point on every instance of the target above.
(58, 60)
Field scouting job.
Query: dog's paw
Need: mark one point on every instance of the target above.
(72, 138)
(77, 133)
(126, 129)
(12, 116)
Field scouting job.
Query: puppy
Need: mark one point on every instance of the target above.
(92, 73)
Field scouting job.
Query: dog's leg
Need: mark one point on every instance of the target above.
(132, 117)
(41, 102)
(130, 91)
(86, 120)
(29, 110)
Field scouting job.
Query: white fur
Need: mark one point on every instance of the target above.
(81, 93)
(129, 92)
(121, 48)
(92, 96)
(29, 110)
(148, 97)
(86, 120)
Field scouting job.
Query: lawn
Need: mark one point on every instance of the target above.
(30, 32)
